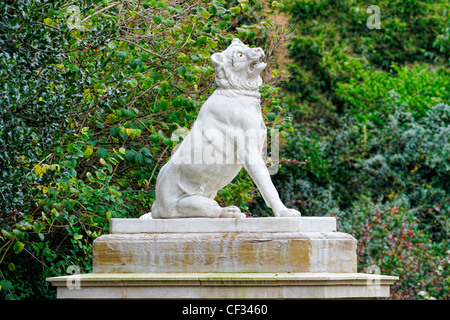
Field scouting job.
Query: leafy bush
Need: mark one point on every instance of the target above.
(97, 97)
(371, 121)
(332, 45)
(373, 95)
(391, 238)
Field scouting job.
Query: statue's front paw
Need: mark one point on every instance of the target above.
(232, 212)
(288, 213)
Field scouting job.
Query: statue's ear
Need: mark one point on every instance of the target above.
(217, 59)
(236, 41)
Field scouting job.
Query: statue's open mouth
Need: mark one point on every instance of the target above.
(257, 64)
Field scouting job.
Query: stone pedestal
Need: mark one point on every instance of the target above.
(225, 245)
(201, 258)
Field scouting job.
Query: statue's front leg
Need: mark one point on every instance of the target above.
(260, 175)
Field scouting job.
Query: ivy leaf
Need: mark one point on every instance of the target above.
(202, 39)
(154, 138)
(157, 18)
(18, 246)
(129, 155)
(245, 7)
(242, 32)
(138, 158)
(70, 163)
(182, 70)
(111, 118)
(88, 151)
(168, 142)
(70, 147)
(206, 14)
(100, 175)
(164, 85)
(235, 10)
(122, 182)
(87, 191)
(48, 253)
(90, 177)
(167, 23)
(146, 152)
(6, 234)
(122, 54)
(103, 153)
(5, 285)
(69, 204)
(133, 82)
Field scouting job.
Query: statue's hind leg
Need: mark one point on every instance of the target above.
(199, 207)
(203, 207)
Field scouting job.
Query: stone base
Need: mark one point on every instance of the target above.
(255, 258)
(225, 252)
(225, 245)
(223, 286)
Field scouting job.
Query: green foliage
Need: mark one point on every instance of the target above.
(407, 251)
(96, 98)
(332, 44)
(370, 110)
(374, 95)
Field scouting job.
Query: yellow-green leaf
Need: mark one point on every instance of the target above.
(90, 177)
(235, 10)
(206, 14)
(87, 191)
(100, 175)
(88, 151)
(38, 170)
(111, 118)
(129, 131)
(164, 85)
(18, 246)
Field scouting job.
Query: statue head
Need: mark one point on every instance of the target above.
(239, 66)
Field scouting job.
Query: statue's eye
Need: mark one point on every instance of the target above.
(240, 55)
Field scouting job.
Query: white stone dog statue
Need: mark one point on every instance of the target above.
(228, 134)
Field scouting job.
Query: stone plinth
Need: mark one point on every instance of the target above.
(233, 245)
(223, 286)
(225, 252)
(204, 258)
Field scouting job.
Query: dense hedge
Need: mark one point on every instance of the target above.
(371, 145)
